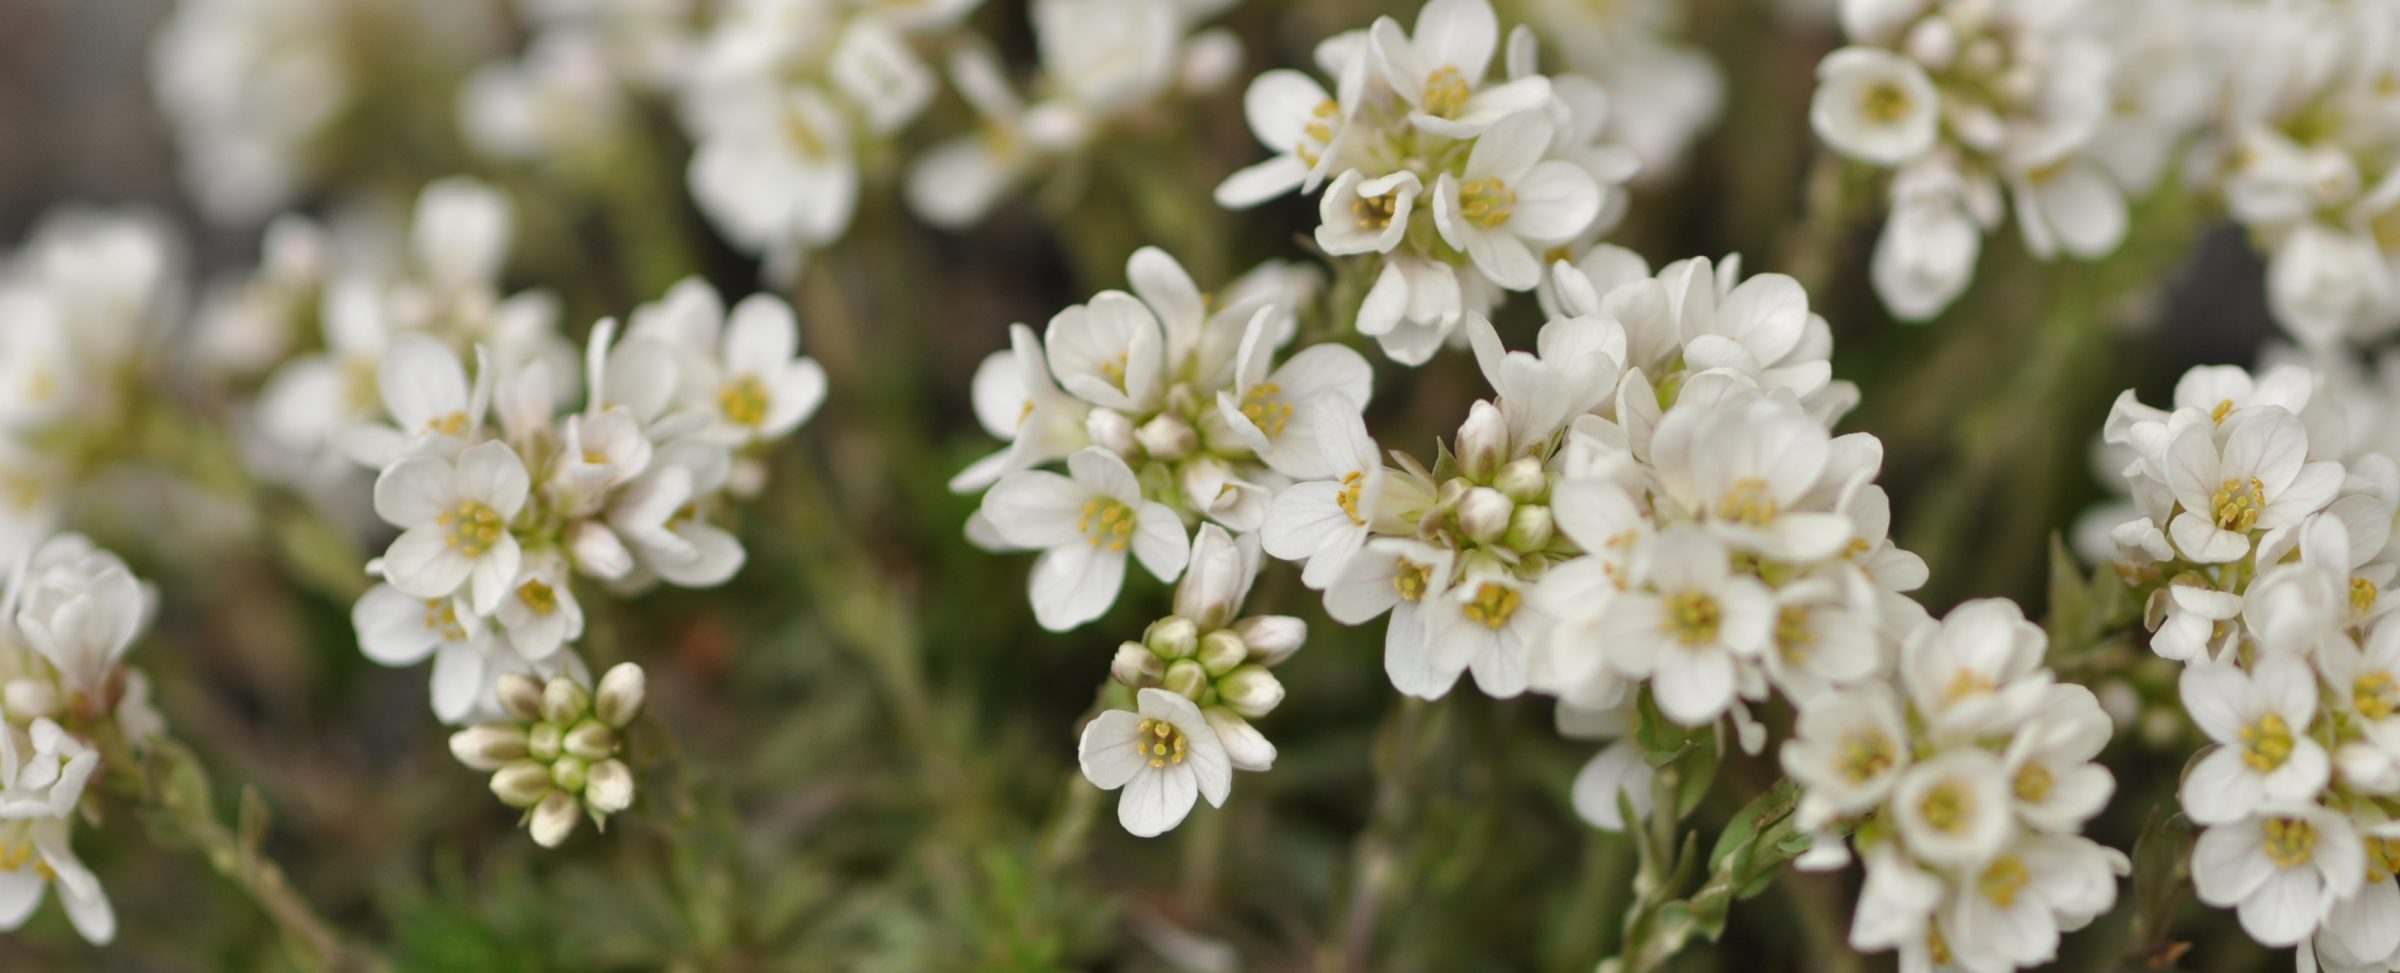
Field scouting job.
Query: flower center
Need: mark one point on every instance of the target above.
(1445, 91)
(1748, 502)
(2290, 842)
(2267, 743)
(539, 597)
(2362, 596)
(17, 850)
(1947, 807)
(1114, 370)
(2003, 880)
(1412, 579)
(1317, 134)
(474, 528)
(454, 424)
(1106, 523)
(2224, 408)
(2033, 783)
(442, 616)
(1486, 202)
(743, 400)
(1884, 103)
(1793, 636)
(1375, 213)
(1352, 484)
(2383, 858)
(1937, 949)
(1966, 683)
(1162, 742)
(1265, 408)
(2375, 696)
(1493, 605)
(1692, 617)
(2236, 505)
(1866, 754)
(803, 135)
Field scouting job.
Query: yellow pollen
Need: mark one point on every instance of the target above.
(1692, 617)
(1866, 754)
(1375, 213)
(2362, 596)
(1748, 502)
(1266, 410)
(1493, 605)
(2033, 783)
(2290, 842)
(1412, 579)
(1937, 948)
(454, 424)
(1113, 370)
(1885, 103)
(1793, 636)
(1947, 807)
(2267, 743)
(2224, 408)
(1352, 484)
(743, 400)
(2003, 880)
(1486, 202)
(1445, 92)
(1967, 683)
(442, 616)
(1024, 413)
(593, 457)
(538, 596)
(1162, 742)
(2375, 696)
(2383, 858)
(474, 528)
(1317, 134)
(1106, 523)
(2237, 503)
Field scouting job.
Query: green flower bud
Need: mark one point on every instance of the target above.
(1222, 650)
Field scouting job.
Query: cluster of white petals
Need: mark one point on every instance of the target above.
(2262, 525)
(1167, 408)
(68, 616)
(1461, 183)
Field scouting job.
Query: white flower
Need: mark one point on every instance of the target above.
(956, 182)
(780, 177)
(1362, 215)
(80, 608)
(2282, 870)
(2018, 903)
(1847, 750)
(656, 516)
(1925, 257)
(1107, 56)
(1287, 415)
(758, 387)
(1413, 307)
(1322, 523)
(1396, 575)
(43, 771)
(1485, 623)
(34, 856)
(1164, 756)
(1509, 199)
(1085, 525)
(1109, 352)
(1747, 471)
(2258, 478)
(1439, 69)
(2073, 206)
(1977, 672)
(1016, 400)
(1290, 113)
(541, 614)
(2056, 785)
(2324, 283)
(1953, 808)
(1875, 105)
(425, 393)
(2260, 720)
(1688, 623)
(455, 516)
(873, 67)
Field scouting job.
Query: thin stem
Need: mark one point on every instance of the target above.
(1375, 858)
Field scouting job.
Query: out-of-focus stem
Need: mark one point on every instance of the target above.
(1375, 858)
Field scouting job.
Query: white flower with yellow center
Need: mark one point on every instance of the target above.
(2281, 869)
(1292, 114)
(2052, 778)
(1508, 201)
(455, 519)
(541, 614)
(431, 406)
(1486, 623)
(660, 516)
(1165, 756)
(758, 387)
(783, 177)
(1439, 69)
(1085, 524)
(1018, 402)
(2260, 721)
(398, 629)
(1322, 523)
(80, 608)
(1689, 624)
(2256, 477)
(1286, 416)
(1400, 576)
(35, 856)
(1953, 809)
(1748, 470)
(1847, 750)
(2013, 908)
(1358, 214)
(1875, 105)
(1110, 352)
(1976, 672)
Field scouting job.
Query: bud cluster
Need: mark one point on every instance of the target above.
(556, 755)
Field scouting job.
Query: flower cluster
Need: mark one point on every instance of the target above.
(1197, 677)
(251, 86)
(1965, 787)
(1461, 184)
(1969, 100)
(1629, 46)
(69, 614)
(84, 302)
(1166, 412)
(2263, 533)
(555, 753)
(568, 92)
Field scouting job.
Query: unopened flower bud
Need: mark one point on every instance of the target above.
(622, 689)
(1933, 43)
(1186, 678)
(590, 740)
(1483, 514)
(544, 741)
(1522, 480)
(489, 746)
(520, 783)
(1172, 637)
(554, 820)
(608, 787)
(564, 702)
(521, 696)
(597, 551)
(1482, 442)
(1110, 429)
(1245, 747)
(567, 773)
(1272, 638)
(1136, 666)
(1222, 650)
(1251, 691)
(1530, 528)
(1167, 437)
(29, 699)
